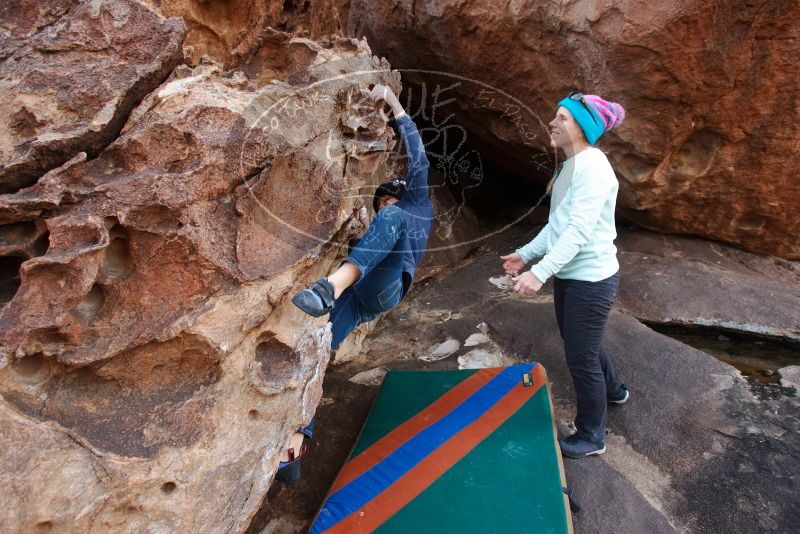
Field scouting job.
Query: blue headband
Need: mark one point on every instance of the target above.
(590, 123)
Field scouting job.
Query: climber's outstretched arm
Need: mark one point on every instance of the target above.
(417, 174)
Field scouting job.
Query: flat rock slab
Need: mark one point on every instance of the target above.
(481, 359)
(691, 281)
(373, 377)
(440, 351)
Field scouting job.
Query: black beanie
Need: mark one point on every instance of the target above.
(395, 188)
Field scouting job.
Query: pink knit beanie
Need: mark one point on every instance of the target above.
(611, 113)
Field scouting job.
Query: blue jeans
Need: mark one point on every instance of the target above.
(582, 310)
(378, 255)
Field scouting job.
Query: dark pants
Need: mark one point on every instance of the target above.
(582, 310)
(379, 257)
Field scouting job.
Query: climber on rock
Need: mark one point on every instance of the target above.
(380, 267)
(577, 246)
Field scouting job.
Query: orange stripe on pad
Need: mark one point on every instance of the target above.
(385, 446)
(406, 488)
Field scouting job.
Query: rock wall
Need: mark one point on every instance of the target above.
(230, 31)
(707, 145)
(71, 74)
(709, 141)
(151, 364)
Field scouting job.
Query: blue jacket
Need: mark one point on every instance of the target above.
(416, 201)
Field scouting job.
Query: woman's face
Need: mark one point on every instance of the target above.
(564, 131)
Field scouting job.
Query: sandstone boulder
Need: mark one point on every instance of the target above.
(70, 72)
(152, 364)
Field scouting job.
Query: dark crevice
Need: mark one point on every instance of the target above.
(117, 259)
(16, 233)
(479, 173)
(758, 358)
(53, 336)
(734, 335)
(9, 277)
(30, 367)
(41, 244)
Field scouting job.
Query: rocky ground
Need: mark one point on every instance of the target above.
(693, 451)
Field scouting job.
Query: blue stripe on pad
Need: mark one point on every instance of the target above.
(379, 477)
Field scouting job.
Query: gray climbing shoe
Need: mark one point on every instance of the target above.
(317, 299)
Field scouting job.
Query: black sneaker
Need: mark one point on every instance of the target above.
(317, 299)
(621, 398)
(576, 447)
(289, 472)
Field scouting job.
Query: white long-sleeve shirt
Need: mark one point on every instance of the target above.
(578, 241)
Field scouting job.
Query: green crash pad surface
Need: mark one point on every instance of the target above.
(509, 479)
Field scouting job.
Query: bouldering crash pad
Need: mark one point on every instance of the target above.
(461, 451)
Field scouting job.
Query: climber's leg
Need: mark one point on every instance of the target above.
(382, 237)
(347, 314)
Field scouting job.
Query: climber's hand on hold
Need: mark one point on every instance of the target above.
(512, 263)
(527, 283)
(382, 92)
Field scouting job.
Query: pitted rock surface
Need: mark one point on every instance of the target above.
(70, 72)
(151, 356)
